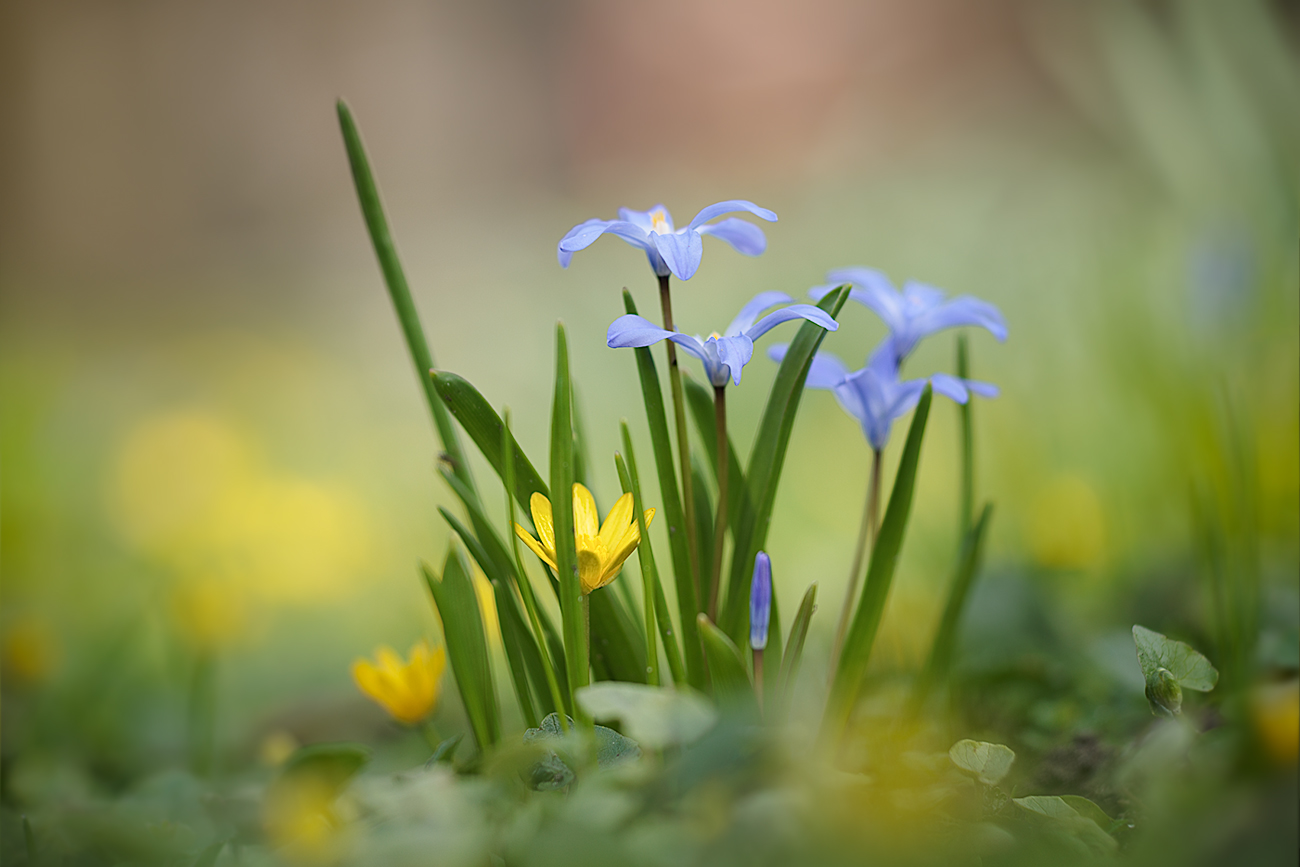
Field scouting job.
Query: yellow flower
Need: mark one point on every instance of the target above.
(601, 548)
(407, 690)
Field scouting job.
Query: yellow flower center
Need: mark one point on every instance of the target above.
(659, 222)
(601, 548)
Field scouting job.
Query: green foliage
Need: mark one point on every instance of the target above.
(573, 610)
(332, 765)
(1061, 816)
(732, 689)
(484, 427)
(765, 464)
(986, 762)
(794, 647)
(655, 717)
(462, 630)
(1169, 666)
(847, 678)
(673, 514)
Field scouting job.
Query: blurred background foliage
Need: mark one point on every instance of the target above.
(214, 453)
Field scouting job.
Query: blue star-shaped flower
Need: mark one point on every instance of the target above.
(670, 250)
(723, 355)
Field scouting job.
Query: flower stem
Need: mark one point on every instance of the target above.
(683, 443)
(430, 735)
(202, 714)
(586, 641)
(866, 536)
(758, 678)
(720, 524)
(967, 514)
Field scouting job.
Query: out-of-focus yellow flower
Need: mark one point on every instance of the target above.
(301, 821)
(408, 690)
(209, 612)
(1067, 527)
(1276, 709)
(275, 747)
(487, 606)
(601, 548)
(29, 650)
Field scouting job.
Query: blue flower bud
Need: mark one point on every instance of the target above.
(760, 601)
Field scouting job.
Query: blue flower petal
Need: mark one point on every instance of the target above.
(983, 389)
(681, 252)
(633, 330)
(735, 353)
(950, 387)
(756, 305)
(760, 601)
(785, 314)
(743, 236)
(729, 207)
(644, 218)
(963, 310)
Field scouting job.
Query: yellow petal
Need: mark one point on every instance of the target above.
(616, 521)
(590, 569)
(624, 550)
(586, 520)
(548, 556)
(543, 521)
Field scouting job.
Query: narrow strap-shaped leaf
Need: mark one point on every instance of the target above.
(701, 404)
(945, 636)
(880, 574)
(655, 605)
(613, 642)
(766, 461)
(484, 427)
(581, 457)
(511, 640)
(576, 649)
(372, 209)
(794, 648)
(731, 685)
(462, 630)
(514, 635)
(703, 517)
(673, 517)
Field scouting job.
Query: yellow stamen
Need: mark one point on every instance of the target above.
(602, 548)
(659, 222)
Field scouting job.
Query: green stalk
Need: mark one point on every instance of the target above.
(866, 535)
(575, 607)
(372, 209)
(720, 523)
(525, 586)
(202, 714)
(967, 446)
(683, 440)
(852, 666)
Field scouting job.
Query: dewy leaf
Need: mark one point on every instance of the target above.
(1089, 810)
(1188, 667)
(614, 749)
(655, 717)
(988, 763)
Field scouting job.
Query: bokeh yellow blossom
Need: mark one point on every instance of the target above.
(407, 689)
(1067, 526)
(209, 612)
(29, 650)
(1276, 710)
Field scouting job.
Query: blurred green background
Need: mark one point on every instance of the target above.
(212, 441)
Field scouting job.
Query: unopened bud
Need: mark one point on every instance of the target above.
(1164, 693)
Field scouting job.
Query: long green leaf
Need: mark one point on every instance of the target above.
(703, 519)
(732, 689)
(794, 648)
(462, 630)
(766, 462)
(655, 603)
(945, 636)
(517, 647)
(484, 427)
(619, 655)
(372, 209)
(576, 649)
(880, 574)
(673, 516)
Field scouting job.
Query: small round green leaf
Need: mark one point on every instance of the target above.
(988, 763)
(1188, 667)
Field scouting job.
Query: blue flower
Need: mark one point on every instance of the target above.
(722, 354)
(675, 251)
(760, 601)
(916, 312)
(874, 395)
